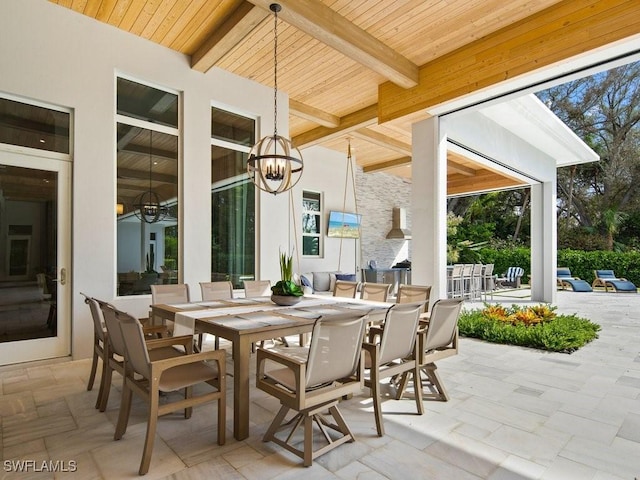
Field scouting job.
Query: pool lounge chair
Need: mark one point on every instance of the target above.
(511, 278)
(565, 280)
(607, 279)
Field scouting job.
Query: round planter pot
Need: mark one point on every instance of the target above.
(285, 300)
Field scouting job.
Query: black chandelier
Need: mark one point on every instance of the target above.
(148, 205)
(274, 164)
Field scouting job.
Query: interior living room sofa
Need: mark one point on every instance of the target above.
(322, 283)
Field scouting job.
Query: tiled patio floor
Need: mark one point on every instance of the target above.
(514, 413)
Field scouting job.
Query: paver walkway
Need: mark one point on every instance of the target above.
(514, 413)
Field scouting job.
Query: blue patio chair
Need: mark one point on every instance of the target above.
(566, 280)
(608, 279)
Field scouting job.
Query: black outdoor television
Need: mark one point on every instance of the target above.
(344, 224)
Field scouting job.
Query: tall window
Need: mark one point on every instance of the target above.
(232, 198)
(147, 187)
(311, 224)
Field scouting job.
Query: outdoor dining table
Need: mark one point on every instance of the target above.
(249, 320)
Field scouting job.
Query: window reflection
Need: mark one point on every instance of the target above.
(34, 127)
(232, 199)
(147, 181)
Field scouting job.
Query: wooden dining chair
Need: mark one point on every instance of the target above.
(148, 377)
(222, 290)
(391, 351)
(378, 292)
(100, 345)
(311, 381)
(102, 348)
(257, 288)
(414, 293)
(437, 341)
(168, 294)
(116, 350)
(173, 294)
(346, 289)
(216, 290)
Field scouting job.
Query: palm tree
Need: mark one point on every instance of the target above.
(612, 219)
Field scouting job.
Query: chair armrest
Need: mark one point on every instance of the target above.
(368, 346)
(161, 330)
(294, 394)
(277, 357)
(184, 340)
(219, 356)
(423, 325)
(375, 331)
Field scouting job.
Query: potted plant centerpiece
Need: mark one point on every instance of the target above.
(285, 291)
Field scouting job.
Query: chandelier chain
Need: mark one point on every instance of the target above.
(150, 158)
(275, 73)
(274, 164)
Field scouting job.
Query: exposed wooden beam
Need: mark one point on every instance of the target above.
(566, 29)
(378, 167)
(332, 29)
(349, 123)
(483, 181)
(235, 28)
(312, 114)
(384, 141)
(144, 175)
(461, 169)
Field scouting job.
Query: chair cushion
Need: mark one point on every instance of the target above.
(564, 273)
(348, 277)
(577, 285)
(305, 281)
(608, 274)
(324, 281)
(513, 273)
(622, 285)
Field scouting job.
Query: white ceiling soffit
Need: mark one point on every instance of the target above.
(529, 119)
(490, 164)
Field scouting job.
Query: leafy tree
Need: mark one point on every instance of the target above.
(495, 215)
(604, 110)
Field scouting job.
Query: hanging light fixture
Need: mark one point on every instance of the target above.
(148, 205)
(274, 164)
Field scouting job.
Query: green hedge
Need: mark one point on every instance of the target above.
(505, 258)
(581, 263)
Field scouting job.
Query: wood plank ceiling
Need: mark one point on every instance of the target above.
(336, 58)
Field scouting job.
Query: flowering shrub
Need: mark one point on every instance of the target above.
(530, 326)
(526, 315)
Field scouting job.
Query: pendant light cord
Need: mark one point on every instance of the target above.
(150, 158)
(276, 8)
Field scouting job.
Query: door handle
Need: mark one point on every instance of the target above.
(63, 276)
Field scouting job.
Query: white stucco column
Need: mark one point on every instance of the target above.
(429, 206)
(544, 244)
